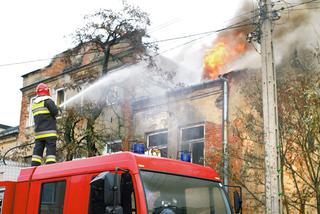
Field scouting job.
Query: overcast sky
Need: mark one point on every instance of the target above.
(36, 30)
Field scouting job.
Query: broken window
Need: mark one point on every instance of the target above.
(158, 143)
(192, 141)
(30, 121)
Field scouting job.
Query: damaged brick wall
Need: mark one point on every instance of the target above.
(213, 146)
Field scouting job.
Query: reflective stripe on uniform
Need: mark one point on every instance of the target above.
(50, 158)
(41, 112)
(38, 105)
(39, 108)
(36, 158)
(44, 134)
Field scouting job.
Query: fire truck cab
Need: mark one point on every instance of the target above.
(117, 183)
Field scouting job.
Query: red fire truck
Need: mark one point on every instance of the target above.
(117, 183)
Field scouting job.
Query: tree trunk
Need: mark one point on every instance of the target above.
(91, 146)
(69, 155)
(106, 55)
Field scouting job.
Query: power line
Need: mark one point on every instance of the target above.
(191, 35)
(29, 61)
(186, 43)
(204, 34)
(236, 25)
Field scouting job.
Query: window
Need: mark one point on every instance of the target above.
(113, 146)
(30, 121)
(168, 193)
(52, 197)
(158, 143)
(192, 141)
(60, 96)
(97, 205)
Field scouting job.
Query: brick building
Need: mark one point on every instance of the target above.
(66, 75)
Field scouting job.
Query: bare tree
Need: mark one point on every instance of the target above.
(83, 134)
(107, 32)
(107, 28)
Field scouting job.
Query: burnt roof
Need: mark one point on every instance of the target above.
(181, 92)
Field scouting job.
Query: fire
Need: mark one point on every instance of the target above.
(226, 50)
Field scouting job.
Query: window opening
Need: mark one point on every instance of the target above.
(158, 143)
(60, 96)
(192, 141)
(113, 146)
(30, 121)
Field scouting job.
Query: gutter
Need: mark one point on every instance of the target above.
(225, 130)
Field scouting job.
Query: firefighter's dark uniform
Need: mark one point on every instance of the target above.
(44, 112)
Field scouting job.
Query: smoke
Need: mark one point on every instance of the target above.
(297, 29)
(190, 61)
(131, 82)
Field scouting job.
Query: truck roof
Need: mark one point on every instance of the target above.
(124, 160)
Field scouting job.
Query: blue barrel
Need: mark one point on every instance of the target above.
(185, 156)
(138, 148)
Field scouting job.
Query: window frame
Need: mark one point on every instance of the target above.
(156, 147)
(30, 120)
(64, 96)
(107, 149)
(193, 141)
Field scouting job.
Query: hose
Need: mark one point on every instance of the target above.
(16, 147)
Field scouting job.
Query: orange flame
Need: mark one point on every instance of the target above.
(226, 49)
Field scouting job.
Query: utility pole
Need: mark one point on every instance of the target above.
(270, 113)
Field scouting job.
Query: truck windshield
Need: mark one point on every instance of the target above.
(174, 194)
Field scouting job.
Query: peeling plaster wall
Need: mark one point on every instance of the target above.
(7, 142)
(200, 106)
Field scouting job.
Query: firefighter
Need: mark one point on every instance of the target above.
(44, 112)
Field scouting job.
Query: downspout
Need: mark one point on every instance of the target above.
(225, 130)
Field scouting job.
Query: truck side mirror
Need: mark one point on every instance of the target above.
(237, 202)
